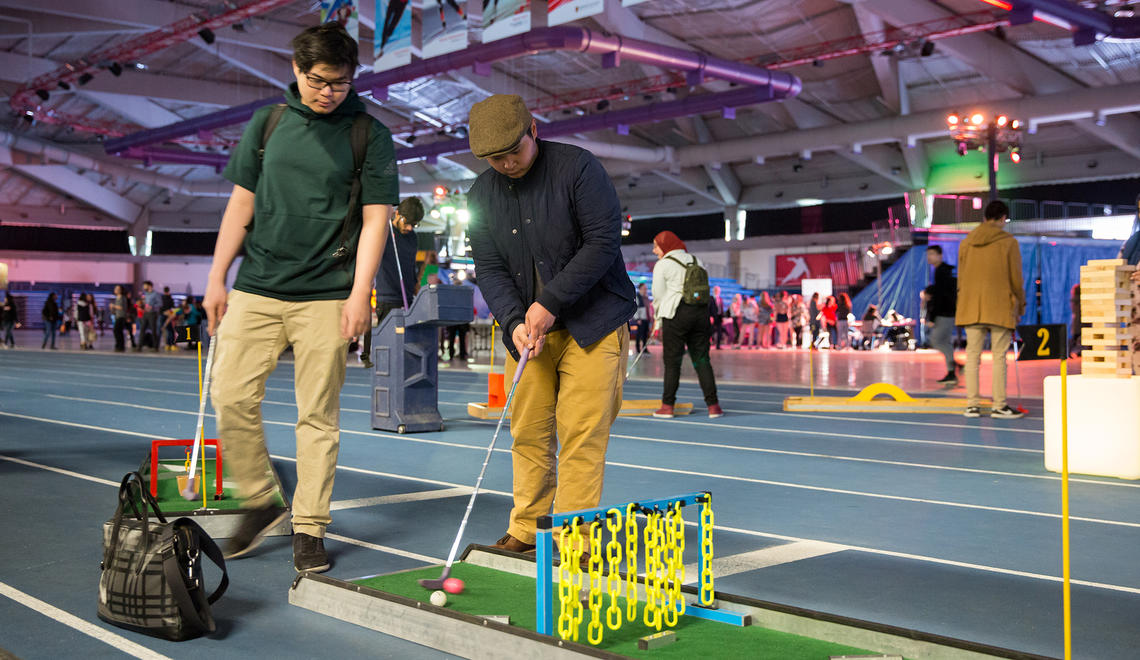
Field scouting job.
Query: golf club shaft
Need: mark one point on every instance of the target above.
(201, 417)
(399, 269)
(635, 359)
(487, 458)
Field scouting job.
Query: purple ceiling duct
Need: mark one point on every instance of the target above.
(613, 49)
(1087, 22)
(619, 120)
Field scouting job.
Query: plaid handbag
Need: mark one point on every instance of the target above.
(151, 580)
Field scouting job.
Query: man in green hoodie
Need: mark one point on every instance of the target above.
(991, 297)
(305, 281)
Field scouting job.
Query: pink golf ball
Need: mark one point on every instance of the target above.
(453, 585)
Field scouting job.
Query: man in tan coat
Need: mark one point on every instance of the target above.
(991, 297)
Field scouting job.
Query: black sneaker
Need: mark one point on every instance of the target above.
(972, 411)
(309, 554)
(1007, 413)
(949, 379)
(252, 529)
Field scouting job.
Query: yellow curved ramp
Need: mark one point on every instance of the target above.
(896, 401)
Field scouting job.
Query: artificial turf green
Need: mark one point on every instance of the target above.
(170, 500)
(491, 592)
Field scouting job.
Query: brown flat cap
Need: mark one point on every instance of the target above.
(497, 124)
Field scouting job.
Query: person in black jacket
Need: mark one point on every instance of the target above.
(9, 319)
(388, 278)
(51, 316)
(545, 233)
(941, 301)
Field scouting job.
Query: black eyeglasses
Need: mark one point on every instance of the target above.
(318, 83)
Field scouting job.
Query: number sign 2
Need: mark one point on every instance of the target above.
(1042, 342)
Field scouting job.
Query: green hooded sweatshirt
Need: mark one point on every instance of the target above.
(301, 197)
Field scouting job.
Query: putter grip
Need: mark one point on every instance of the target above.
(522, 363)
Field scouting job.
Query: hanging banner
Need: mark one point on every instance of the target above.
(565, 11)
(392, 44)
(841, 267)
(444, 26)
(343, 12)
(505, 19)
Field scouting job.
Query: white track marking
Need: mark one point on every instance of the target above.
(390, 475)
(723, 528)
(757, 559)
(708, 475)
(69, 473)
(398, 498)
(384, 548)
(117, 642)
(881, 496)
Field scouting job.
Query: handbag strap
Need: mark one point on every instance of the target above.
(200, 542)
(132, 492)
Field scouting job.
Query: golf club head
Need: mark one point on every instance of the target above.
(191, 491)
(436, 585)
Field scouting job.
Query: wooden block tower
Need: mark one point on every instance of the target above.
(1106, 310)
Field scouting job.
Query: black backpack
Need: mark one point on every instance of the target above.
(361, 130)
(696, 287)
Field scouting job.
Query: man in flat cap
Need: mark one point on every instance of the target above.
(545, 234)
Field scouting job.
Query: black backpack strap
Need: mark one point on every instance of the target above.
(199, 541)
(270, 123)
(361, 130)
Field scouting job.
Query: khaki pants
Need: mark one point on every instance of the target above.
(568, 396)
(252, 334)
(999, 343)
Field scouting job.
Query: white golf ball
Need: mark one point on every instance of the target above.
(438, 598)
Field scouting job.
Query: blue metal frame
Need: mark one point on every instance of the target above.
(544, 557)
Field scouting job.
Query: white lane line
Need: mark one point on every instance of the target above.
(881, 496)
(69, 473)
(398, 498)
(71, 621)
(878, 461)
(89, 427)
(384, 548)
(723, 528)
(402, 477)
(709, 475)
(336, 537)
(757, 559)
(881, 438)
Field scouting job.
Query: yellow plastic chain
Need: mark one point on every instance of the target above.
(678, 557)
(653, 595)
(613, 565)
(668, 532)
(565, 584)
(595, 628)
(630, 563)
(707, 593)
(577, 544)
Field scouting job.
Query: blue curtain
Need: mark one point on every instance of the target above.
(1062, 263)
(1059, 259)
(901, 283)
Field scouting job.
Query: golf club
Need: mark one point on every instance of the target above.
(399, 269)
(189, 492)
(438, 583)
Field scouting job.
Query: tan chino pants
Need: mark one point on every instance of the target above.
(561, 416)
(252, 334)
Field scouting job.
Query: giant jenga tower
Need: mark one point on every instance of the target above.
(1106, 310)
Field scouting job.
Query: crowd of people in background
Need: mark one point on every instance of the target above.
(784, 321)
(147, 320)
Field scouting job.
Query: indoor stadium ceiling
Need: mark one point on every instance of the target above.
(879, 76)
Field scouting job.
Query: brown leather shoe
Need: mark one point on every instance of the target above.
(511, 544)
